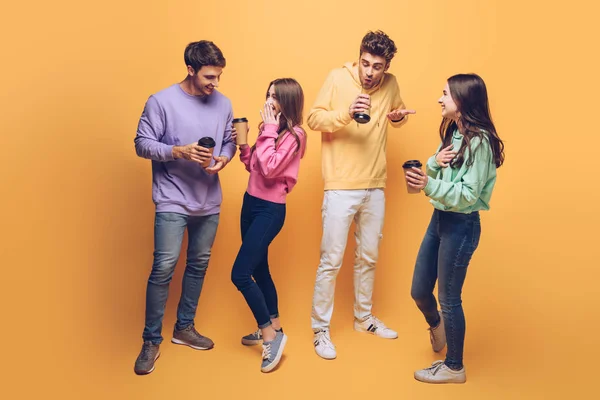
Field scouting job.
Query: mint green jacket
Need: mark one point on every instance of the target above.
(466, 189)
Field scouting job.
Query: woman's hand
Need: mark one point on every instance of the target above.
(268, 115)
(416, 178)
(446, 155)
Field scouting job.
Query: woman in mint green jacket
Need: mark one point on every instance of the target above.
(459, 181)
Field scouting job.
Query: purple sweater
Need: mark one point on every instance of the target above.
(173, 117)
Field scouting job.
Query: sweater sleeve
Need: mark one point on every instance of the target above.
(397, 103)
(465, 192)
(272, 159)
(150, 131)
(321, 117)
(228, 147)
(432, 168)
(246, 155)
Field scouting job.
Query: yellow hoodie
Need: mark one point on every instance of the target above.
(353, 154)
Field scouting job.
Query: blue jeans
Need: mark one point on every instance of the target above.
(168, 235)
(449, 244)
(260, 222)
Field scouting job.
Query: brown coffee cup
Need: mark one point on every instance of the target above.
(241, 126)
(407, 167)
(208, 143)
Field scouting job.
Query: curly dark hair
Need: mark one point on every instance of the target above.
(378, 44)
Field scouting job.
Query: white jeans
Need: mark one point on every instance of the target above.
(340, 207)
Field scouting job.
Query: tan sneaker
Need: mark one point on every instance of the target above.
(441, 373)
(437, 336)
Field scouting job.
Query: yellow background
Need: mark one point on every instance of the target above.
(77, 222)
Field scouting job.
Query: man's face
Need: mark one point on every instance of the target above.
(206, 79)
(371, 69)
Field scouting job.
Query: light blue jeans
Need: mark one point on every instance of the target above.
(168, 235)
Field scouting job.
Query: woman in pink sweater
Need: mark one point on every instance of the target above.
(273, 163)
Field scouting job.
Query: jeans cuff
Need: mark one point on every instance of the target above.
(453, 366)
(180, 328)
(155, 342)
(276, 315)
(263, 326)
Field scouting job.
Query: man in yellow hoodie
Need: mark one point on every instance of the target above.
(354, 170)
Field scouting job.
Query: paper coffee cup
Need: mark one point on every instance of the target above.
(407, 167)
(241, 126)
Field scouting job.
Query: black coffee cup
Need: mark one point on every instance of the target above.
(208, 143)
(361, 117)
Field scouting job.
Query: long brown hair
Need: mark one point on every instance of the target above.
(470, 95)
(291, 101)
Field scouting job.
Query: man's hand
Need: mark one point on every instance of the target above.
(360, 104)
(399, 114)
(192, 152)
(221, 162)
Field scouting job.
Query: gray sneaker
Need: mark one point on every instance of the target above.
(190, 337)
(272, 352)
(144, 364)
(255, 337)
(252, 339)
(437, 336)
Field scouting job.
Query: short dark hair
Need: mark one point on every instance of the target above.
(204, 52)
(378, 44)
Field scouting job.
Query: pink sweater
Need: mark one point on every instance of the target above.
(273, 169)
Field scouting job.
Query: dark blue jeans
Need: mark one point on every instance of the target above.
(260, 222)
(168, 235)
(445, 252)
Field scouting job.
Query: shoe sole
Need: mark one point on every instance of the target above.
(177, 341)
(275, 362)
(248, 342)
(362, 330)
(326, 358)
(149, 371)
(438, 382)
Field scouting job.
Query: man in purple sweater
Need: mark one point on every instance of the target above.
(186, 194)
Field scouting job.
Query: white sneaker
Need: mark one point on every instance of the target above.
(374, 326)
(441, 373)
(323, 345)
(437, 336)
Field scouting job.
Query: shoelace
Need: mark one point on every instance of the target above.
(194, 332)
(435, 367)
(145, 352)
(257, 334)
(323, 338)
(378, 324)
(266, 355)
